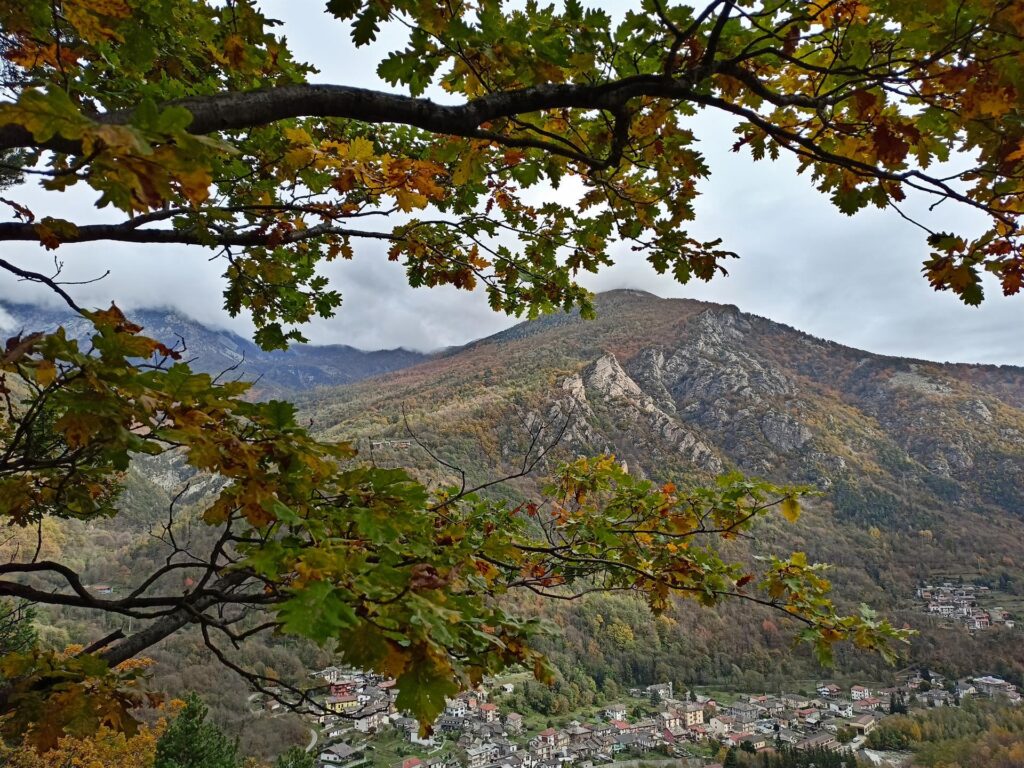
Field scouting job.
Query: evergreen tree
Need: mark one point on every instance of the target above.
(296, 757)
(190, 741)
(732, 760)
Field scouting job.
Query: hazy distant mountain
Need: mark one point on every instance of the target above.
(303, 366)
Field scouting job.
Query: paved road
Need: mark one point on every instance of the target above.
(313, 736)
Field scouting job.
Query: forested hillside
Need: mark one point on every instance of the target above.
(920, 465)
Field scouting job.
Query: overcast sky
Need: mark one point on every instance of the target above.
(853, 280)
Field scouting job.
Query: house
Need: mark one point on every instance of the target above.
(965, 688)
(870, 704)
(370, 721)
(514, 722)
(615, 712)
(411, 729)
(450, 724)
(756, 741)
(829, 691)
(787, 736)
(648, 726)
(489, 712)
(693, 714)
(635, 742)
(589, 748)
(271, 705)
(457, 707)
(863, 724)
(577, 732)
(670, 720)
(719, 725)
(620, 726)
(478, 757)
(549, 743)
(841, 707)
(993, 686)
(936, 697)
(662, 690)
(859, 693)
(823, 740)
(504, 747)
(697, 732)
(744, 712)
(331, 674)
(342, 704)
(338, 753)
(771, 705)
(795, 701)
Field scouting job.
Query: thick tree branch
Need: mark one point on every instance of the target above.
(248, 109)
(134, 644)
(128, 232)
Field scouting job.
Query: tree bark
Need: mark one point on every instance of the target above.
(248, 109)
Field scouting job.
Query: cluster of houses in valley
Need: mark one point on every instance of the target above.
(960, 603)
(361, 708)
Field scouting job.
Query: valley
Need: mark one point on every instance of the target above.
(916, 468)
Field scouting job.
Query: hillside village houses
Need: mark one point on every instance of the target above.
(487, 737)
(959, 602)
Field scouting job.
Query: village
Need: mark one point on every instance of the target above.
(962, 603)
(359, 724)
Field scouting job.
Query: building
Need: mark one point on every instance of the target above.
(994, 686)
(823, 739)
(615, 712)
(744, 712)
(693, 714)
(338, 754)
(342, 704)
(514, 722)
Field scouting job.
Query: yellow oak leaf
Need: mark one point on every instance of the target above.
(360, 149)
(790, 508)
(409, 201)
(46, 372)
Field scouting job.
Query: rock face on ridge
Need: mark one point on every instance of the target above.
(677, 386)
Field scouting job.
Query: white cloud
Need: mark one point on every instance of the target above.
(854, 280)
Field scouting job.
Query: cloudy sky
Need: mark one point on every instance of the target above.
(854, 280)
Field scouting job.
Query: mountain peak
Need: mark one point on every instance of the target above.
(615, 293)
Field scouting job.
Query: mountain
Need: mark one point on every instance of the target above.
(920, 464)
(679, 385)
(303, 366)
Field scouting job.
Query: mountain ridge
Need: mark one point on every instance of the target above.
(220, 351)
(920, 465)
(676, 387)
